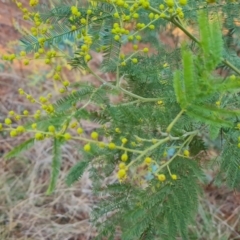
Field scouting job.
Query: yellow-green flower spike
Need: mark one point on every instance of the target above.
(124, 140)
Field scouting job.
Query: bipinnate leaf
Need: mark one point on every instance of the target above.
(76, 172)
(56, 164)
(20, 148)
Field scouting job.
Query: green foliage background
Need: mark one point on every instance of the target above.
(195, 100)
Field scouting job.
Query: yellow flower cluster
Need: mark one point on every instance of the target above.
(126, 27)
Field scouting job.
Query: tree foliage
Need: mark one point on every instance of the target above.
(170, 100)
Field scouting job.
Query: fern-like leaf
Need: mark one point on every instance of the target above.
(76, 172)
(188, 74)
(20, 148)
(179, 90)
(56, 164)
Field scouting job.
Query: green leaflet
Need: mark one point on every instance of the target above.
(205, 34)
(76, 172)
(179, 90)
(168, 210)
(56, 164)
(211, 39)
(190, 83)
(216, 40)
(20, 148)
(213, 132)
(227, 86)
(230, 160)
(208, 116)
(66, 102)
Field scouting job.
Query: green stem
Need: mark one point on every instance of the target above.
(148, 150)
(179, 25)
(226, 62)
(123, 90)
(117, 78)
(170, 126)
(176, 154)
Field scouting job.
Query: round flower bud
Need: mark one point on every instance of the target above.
(111, 146)
(161, 177)
(94, 135)
(67, 136)
(148, 160)
(122, 165)
(121, 174)
(39, 136)
(8, 121)
(186, 153)
(79, 130)
(174, 177)
(20, 129)
(13, 133)
(124, 157)
(87, 147)
(51, 129)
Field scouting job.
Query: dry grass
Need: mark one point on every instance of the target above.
(26, 212)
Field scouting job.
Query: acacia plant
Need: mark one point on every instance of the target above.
(172, 100)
